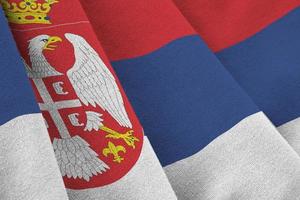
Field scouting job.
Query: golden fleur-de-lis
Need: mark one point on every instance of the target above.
(128, 137)
(114, 150)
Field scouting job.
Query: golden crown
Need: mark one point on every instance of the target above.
(28, 11)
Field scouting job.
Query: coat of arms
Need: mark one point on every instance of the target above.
(96, 88)
(96, 136)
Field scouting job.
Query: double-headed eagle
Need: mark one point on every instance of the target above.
(94, 85)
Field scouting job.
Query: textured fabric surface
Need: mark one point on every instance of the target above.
(261, 54)
(290, 131)
(186, 93)
(28, 168)
(266, 65)
(171, 89)
(250, 161)
(146, 180)
(182, 94)
(225, 23)
(210, 140)
(146, 25)
(16, 94)
(96, 136)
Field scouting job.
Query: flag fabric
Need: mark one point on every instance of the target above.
(28, 169)
(98, 141)
(205, 114)
(212, 140)
(261, 56)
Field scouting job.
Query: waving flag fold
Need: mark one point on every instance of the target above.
(206, 111)
(212, 140)
(97, 140)
(261, 56)
(28, 166)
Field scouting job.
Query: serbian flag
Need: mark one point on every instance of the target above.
(212, 140)
(260, 49)
(198, 132)
(98, 142)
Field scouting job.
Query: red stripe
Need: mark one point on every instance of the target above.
(133, 28)
(227, 22)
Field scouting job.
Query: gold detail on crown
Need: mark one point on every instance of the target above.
(28, 11)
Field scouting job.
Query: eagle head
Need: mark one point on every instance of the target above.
(43, 42)
(40, 67)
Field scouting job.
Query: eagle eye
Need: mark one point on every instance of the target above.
(44, 40)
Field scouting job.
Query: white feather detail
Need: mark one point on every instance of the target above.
(76, 159)
(94, 121)
(93, 83)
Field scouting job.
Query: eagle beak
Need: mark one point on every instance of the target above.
(51, 40)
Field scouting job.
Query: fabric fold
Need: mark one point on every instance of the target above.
(212, 140)
(261, 57)
(99, 144)
(28, 166)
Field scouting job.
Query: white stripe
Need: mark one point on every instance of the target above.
(251, 161)
(145, 181)
(28, 168)
(291, 132)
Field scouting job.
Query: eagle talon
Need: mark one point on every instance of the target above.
(128, 137)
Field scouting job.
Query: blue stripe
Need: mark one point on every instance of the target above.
(183, 96)
(16, 95)
(267, 66)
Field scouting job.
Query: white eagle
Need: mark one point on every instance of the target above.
(94, 85)
(92, 81)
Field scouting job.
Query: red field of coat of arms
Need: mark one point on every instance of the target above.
(95, 134)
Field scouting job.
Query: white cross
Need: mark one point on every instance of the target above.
(53, 107)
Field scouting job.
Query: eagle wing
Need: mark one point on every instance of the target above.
(93, 82)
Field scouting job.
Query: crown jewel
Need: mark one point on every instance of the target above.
(28, 11)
